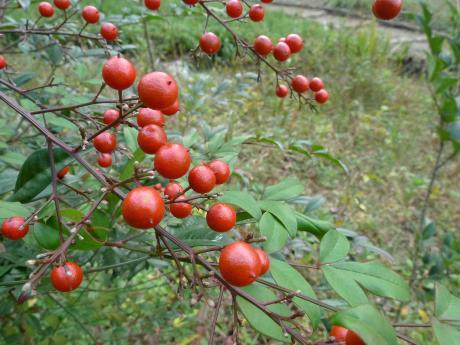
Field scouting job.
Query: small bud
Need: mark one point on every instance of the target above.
(103, 190)
(27, 288)
(30, 262)
(73, 230)
(211, 303)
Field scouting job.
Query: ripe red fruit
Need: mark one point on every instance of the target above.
(339, 333)
(152, 4)
(316, 84)
(110, 116)
(109, 31)
(45, 9)
(295, 42)
(105, 142)
(172, 161)
(151, 137)
(234, 8)
(202, 179)
(63, 172)
(221, 171)
(190, 2)
(256, 13)
(143, 208)
(221, 217)
(209, 43)
(158, 90)
(62, 4)
(267, 1)
(300, 83)
(263, 45)
(67, 277)
(353, 339)
(149, 116)
(386, 9)
(11, 228)
(172, 190)
(119, 73)
(321, 96)
(264, 261)
(3, 63)
(282, 91)
(90, 14)
(239, 263)
(281, 52)
(105, 160)
(181, 209)
(172, 109)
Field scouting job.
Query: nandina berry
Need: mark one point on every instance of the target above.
(105, 142)
(63, 172)
(202, 179)
(90, 14)
(110, 116)
(149, 116)
(282, 91)
(339, 333)
(209, 43)
(172, 190)
(158, 90)
(386, 9)
(221, 217)
(151, 137)
(264, 261)
(119, 73)
(172, 161)
(67, 277)
(267, 1)
(239, 263)
(322, 96)
(300, 83)
(256, 13)
(190, 2)
(109, 31)
(152, 4)
(281, 52)
(45, 9)
(172, 109)
(295, 43)
(353, 339)
(14, 228)
(263, 45)
(105, 160)
(143, 208)
(234, 8)
(316, 84)
(62, 4)
(3, 63)
(221, 170)
(181, 209)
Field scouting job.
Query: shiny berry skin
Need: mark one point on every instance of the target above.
(104, 160)
(151, 137)
(149, 116)
(172, 109)
(172, 190)
(157, 90)
(62, 4)
(295, 42)
(172, 161)
(353, 339)
(263, 45)
(239, 264)
(264, 261)
(256, 13)
(221, 217)
(339, 333)
(202, 179)
(181, 209)
(234, 8)
(281, 52)
(386, 9)
(63, 172)
(316, 84)
(105, 142)
(221, 170)
(109, 31)
(322, 96)
(282, 91)
(45, 9)
(90, 14)
(67, 277)
(153, 5)
(300, 83)
(119, 73)
(3, 63)
(143, 208)
(110, 116)
(11, 228)
(210, 43)
(190, 2)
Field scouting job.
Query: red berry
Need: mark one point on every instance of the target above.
(267, 1)
(181, 209)
(386, 9)
(256, 13)
(63, 172)
(282, 39)
(282, 91)
(300, 83)
(3, 63)
(143, 208)
(105, 142)
(221, 217)
(109, 31)
(354, 339)
(234, 8)
(158, 90)
(105, 160)
(11, 228)
(172, 190)
(110, 116)
(202, 179)
(190, 2)
(239, 264)
(90, 14)
(316, 84)
(221, 170)
(339, 333)
(321, 96)
(209, 43)
(151, 137)
(281, 52)
(45, 9)
(295, 42)
(119, 73)
(149, 116)
(62, 4)
(172, 161)
(172, 109)
(152, 4)
(264, 261)
(263, 45)
(67, 277)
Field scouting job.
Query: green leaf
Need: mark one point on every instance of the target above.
(274, 231)
(315, 227)
(344, 285)
(447, 305)
(243, 200)
(334, 247)
(446, 335)
(10, 209)
(47, 237)
(283, 212)
(130, 135)
(288, 277)
(7, 180)
(285, 190)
